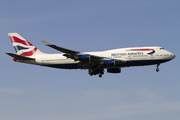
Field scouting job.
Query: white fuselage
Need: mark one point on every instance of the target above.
(136, 56)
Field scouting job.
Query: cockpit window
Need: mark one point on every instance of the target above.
(161, 48)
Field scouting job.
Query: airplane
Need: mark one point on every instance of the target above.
(94, 62)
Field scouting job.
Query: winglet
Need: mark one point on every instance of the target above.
(45, 43)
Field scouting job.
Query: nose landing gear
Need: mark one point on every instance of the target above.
(157, 69)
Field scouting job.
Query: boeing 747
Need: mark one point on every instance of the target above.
(94, 62)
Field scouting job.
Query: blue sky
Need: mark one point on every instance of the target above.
(39, 93)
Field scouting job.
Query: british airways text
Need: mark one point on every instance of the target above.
(123, 54)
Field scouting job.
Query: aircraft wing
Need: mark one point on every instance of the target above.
(93, 60)
(64, 50)
(69, 53)
(19, 57)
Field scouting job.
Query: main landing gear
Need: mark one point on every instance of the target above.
(157, 69)
(96, 72)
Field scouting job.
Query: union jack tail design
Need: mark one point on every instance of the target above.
(22, 46)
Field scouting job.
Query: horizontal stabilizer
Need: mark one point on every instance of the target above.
(19, 57)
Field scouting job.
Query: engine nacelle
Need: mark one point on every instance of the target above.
(83, 57)
(114, 70)
(108, 62)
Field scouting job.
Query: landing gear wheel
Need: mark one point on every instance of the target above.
(100, 75)
(157, 70)
(90, 72)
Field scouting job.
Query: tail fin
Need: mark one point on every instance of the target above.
(22, 46)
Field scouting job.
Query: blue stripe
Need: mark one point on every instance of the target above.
(143, 62)
(151, 52)
(20, 48)
(66, 66)
(15, 49)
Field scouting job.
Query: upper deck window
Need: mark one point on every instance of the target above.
(161, 48)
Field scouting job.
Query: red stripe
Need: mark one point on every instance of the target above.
(142, 49)
(30, 53)
(17, 40)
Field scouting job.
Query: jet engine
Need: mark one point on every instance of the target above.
(108, 62)
(85, 57)
(113, 70)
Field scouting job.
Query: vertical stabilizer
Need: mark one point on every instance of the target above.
(22, 46)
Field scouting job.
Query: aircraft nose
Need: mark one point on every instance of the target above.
(173, 56)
